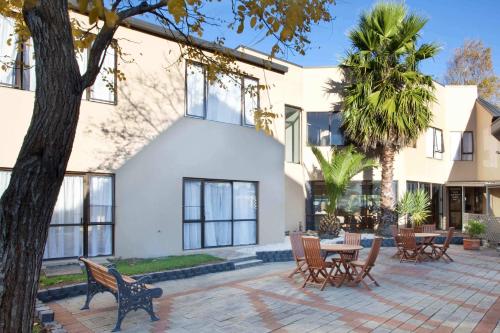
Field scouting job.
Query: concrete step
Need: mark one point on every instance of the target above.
(244, 258)
(247, 263)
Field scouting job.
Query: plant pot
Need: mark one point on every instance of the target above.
(472, 244)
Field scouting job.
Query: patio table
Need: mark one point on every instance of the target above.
(428, 238)
(341, 249)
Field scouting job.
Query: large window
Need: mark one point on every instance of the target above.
(358, 208)
(462, 146)
(219, 213)
(230, 99)
(83, 218)
(325, 129)
(20, 66)
(434, 143)
(292, 134)
(435, 192)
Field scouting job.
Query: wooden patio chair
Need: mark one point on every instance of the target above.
(439, 250)
(298, 254)
(397, 240)
(411, 251)
(351, 238)
(361, 269)
(427, 242)
(320, 270)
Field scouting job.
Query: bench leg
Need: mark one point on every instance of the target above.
(150, 311)
(121, 315)
(92, 290)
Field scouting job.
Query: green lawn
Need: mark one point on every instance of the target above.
(136, 266)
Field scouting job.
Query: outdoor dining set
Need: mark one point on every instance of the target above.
(337, 264)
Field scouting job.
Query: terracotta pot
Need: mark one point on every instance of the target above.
(472, 244)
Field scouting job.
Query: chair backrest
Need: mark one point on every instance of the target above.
(407, 237)
(428, 228)
(449, 236)
(394, 231)
(312, 252)
(297, 246)
(372, 256)
(351, 238)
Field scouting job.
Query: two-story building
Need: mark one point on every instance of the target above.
(168, 162)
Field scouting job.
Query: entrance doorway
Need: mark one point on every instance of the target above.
(455, 207)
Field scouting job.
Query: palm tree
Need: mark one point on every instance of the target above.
(386, 99)
(414, 206)
(337, 173)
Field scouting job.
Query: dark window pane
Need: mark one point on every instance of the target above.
(336, 135)
(318, 128)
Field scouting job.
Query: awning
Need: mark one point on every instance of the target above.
(474, 184)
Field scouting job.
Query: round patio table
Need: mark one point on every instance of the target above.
(341, 249)
(429, 238)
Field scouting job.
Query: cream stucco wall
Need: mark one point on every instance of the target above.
(152, 146)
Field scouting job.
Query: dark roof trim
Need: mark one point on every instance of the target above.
(162, 32)
(493, 109)
(495, 129)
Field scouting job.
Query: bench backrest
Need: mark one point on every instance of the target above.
(100, 274)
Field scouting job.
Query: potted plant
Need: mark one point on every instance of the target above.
(338, 170)
(414, 206)
(474, 229)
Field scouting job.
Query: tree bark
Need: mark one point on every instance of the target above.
(388, 217)
(27, 204)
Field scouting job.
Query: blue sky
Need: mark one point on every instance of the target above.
(450, 23)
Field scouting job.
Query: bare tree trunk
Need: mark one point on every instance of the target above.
(27, 204)
(387, 200)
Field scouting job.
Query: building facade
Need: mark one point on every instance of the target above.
(168, 163)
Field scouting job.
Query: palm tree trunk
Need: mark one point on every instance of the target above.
(386, 199)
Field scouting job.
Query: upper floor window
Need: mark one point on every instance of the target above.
(462, 146)
(231, 99)
(292, 134)
(434, 143)
(325, 129)
(18, 66)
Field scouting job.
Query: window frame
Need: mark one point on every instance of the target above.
(330, 114)
(242, 78)
(20, 67)
(86, 212)
(462, 152)
(299, 158)
(202, 219)
(436, 150)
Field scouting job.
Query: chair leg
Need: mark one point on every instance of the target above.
(447, 256)
(371, 278)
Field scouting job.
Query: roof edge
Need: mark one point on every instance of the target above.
(493, 109)
(162, 32)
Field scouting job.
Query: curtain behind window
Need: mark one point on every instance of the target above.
(217, 208)
(224, 102)
(455, 146)
(195, 85)
(251, 99)
(4, 181)
(192, 211)
(245, 207)
(101, 88)
(101, 211)
(7, 52)
(429, 142)
(67, 241)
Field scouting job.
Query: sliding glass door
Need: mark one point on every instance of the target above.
(83, 218)
(219, 213)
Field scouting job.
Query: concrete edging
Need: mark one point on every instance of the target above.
(57, 293)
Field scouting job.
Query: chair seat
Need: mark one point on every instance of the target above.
(358, 263)
(438, 245)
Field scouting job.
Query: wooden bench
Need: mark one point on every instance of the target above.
(130, 294)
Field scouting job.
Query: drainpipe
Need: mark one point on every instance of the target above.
(463, 208)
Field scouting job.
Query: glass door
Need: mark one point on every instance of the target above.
(455, 207)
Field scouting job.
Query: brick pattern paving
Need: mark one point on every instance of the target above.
(463, 296)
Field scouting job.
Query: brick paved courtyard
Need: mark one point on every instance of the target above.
(463, 296)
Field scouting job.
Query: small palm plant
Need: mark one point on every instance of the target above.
(338, 171)
(415, 206)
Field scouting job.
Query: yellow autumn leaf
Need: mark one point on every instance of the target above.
(111, 18)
